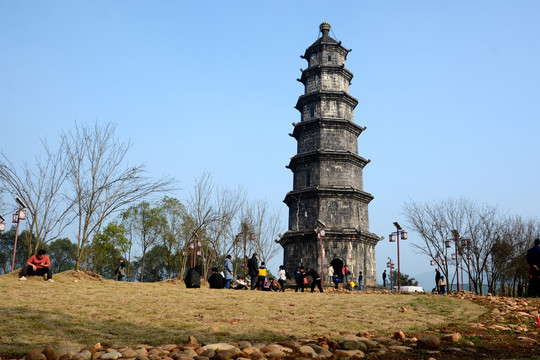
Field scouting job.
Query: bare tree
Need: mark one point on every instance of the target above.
(101, 180)
(480, 225)
(266, 224)
(41, 188)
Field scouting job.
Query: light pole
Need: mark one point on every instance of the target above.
(17, 217)
(194, 246)
(2, 223)
(393, 236)
(455, 256)
(321, 233)
(390, 265)
(467, 245)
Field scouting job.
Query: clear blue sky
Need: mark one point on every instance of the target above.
(449, 92)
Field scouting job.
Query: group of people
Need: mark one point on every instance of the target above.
(440, 283)
(258, 277)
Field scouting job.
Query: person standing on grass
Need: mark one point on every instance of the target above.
(361, 281)
(299, 278)
(120, 271)
(533, 259)
(38, 265)
(330, 273)
(228, 271)
(282, 277)
(253, 270)
(442, 285)
(261, 279)
(384, 278)
(345, 272)
(316, 279)
(437, 278)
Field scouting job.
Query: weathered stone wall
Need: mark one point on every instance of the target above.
(326, 80)
(321, 58)
(327, 138)
(355, 253)
(303, 214)
(327, 172)
(344, 213)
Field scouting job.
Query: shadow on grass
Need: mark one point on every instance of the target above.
(27, 329)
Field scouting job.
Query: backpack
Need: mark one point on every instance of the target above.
(122, 271)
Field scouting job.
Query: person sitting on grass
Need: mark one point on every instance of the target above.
(38, 265)
(216, 280)
(240, 284)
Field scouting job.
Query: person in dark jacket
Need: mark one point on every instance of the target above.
(437, 278)
(215, 280)
(316, 279)
(299, 278)
(253, 270)
(192, 278)
(533, 259)
(120, 271)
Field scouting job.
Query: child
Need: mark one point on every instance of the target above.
(262, 276)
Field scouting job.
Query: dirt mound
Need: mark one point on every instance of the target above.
(66, 276)
(79, 275)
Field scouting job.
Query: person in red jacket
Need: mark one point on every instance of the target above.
(38, 264)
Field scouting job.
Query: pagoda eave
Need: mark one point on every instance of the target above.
(326, 95)
(328, 123)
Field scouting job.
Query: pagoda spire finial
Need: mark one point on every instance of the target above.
(324, 28)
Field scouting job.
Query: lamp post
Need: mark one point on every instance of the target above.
(390, 265)
(2, 223)
(17, 217)
(393, 236)
(455, 256)
(194, 247)
(466, 244)
(321, 233)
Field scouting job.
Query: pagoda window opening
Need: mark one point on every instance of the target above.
(329, 57)
(308, 178)
(312, 111)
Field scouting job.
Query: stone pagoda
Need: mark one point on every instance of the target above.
(328, 189)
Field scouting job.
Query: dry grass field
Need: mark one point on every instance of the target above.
(80, 309)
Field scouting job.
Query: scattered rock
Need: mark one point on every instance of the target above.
(399, 348)
(227, 354)
(353, 345)
(49, 352)
(454, 338)
(218, 346)
(113, 355)
(128, 353)
(306, 350)
(346, 354)
(244, 345)
(321, 351)
(399, 335)
(428, 342)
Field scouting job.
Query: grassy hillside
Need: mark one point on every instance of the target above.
(82, 309)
